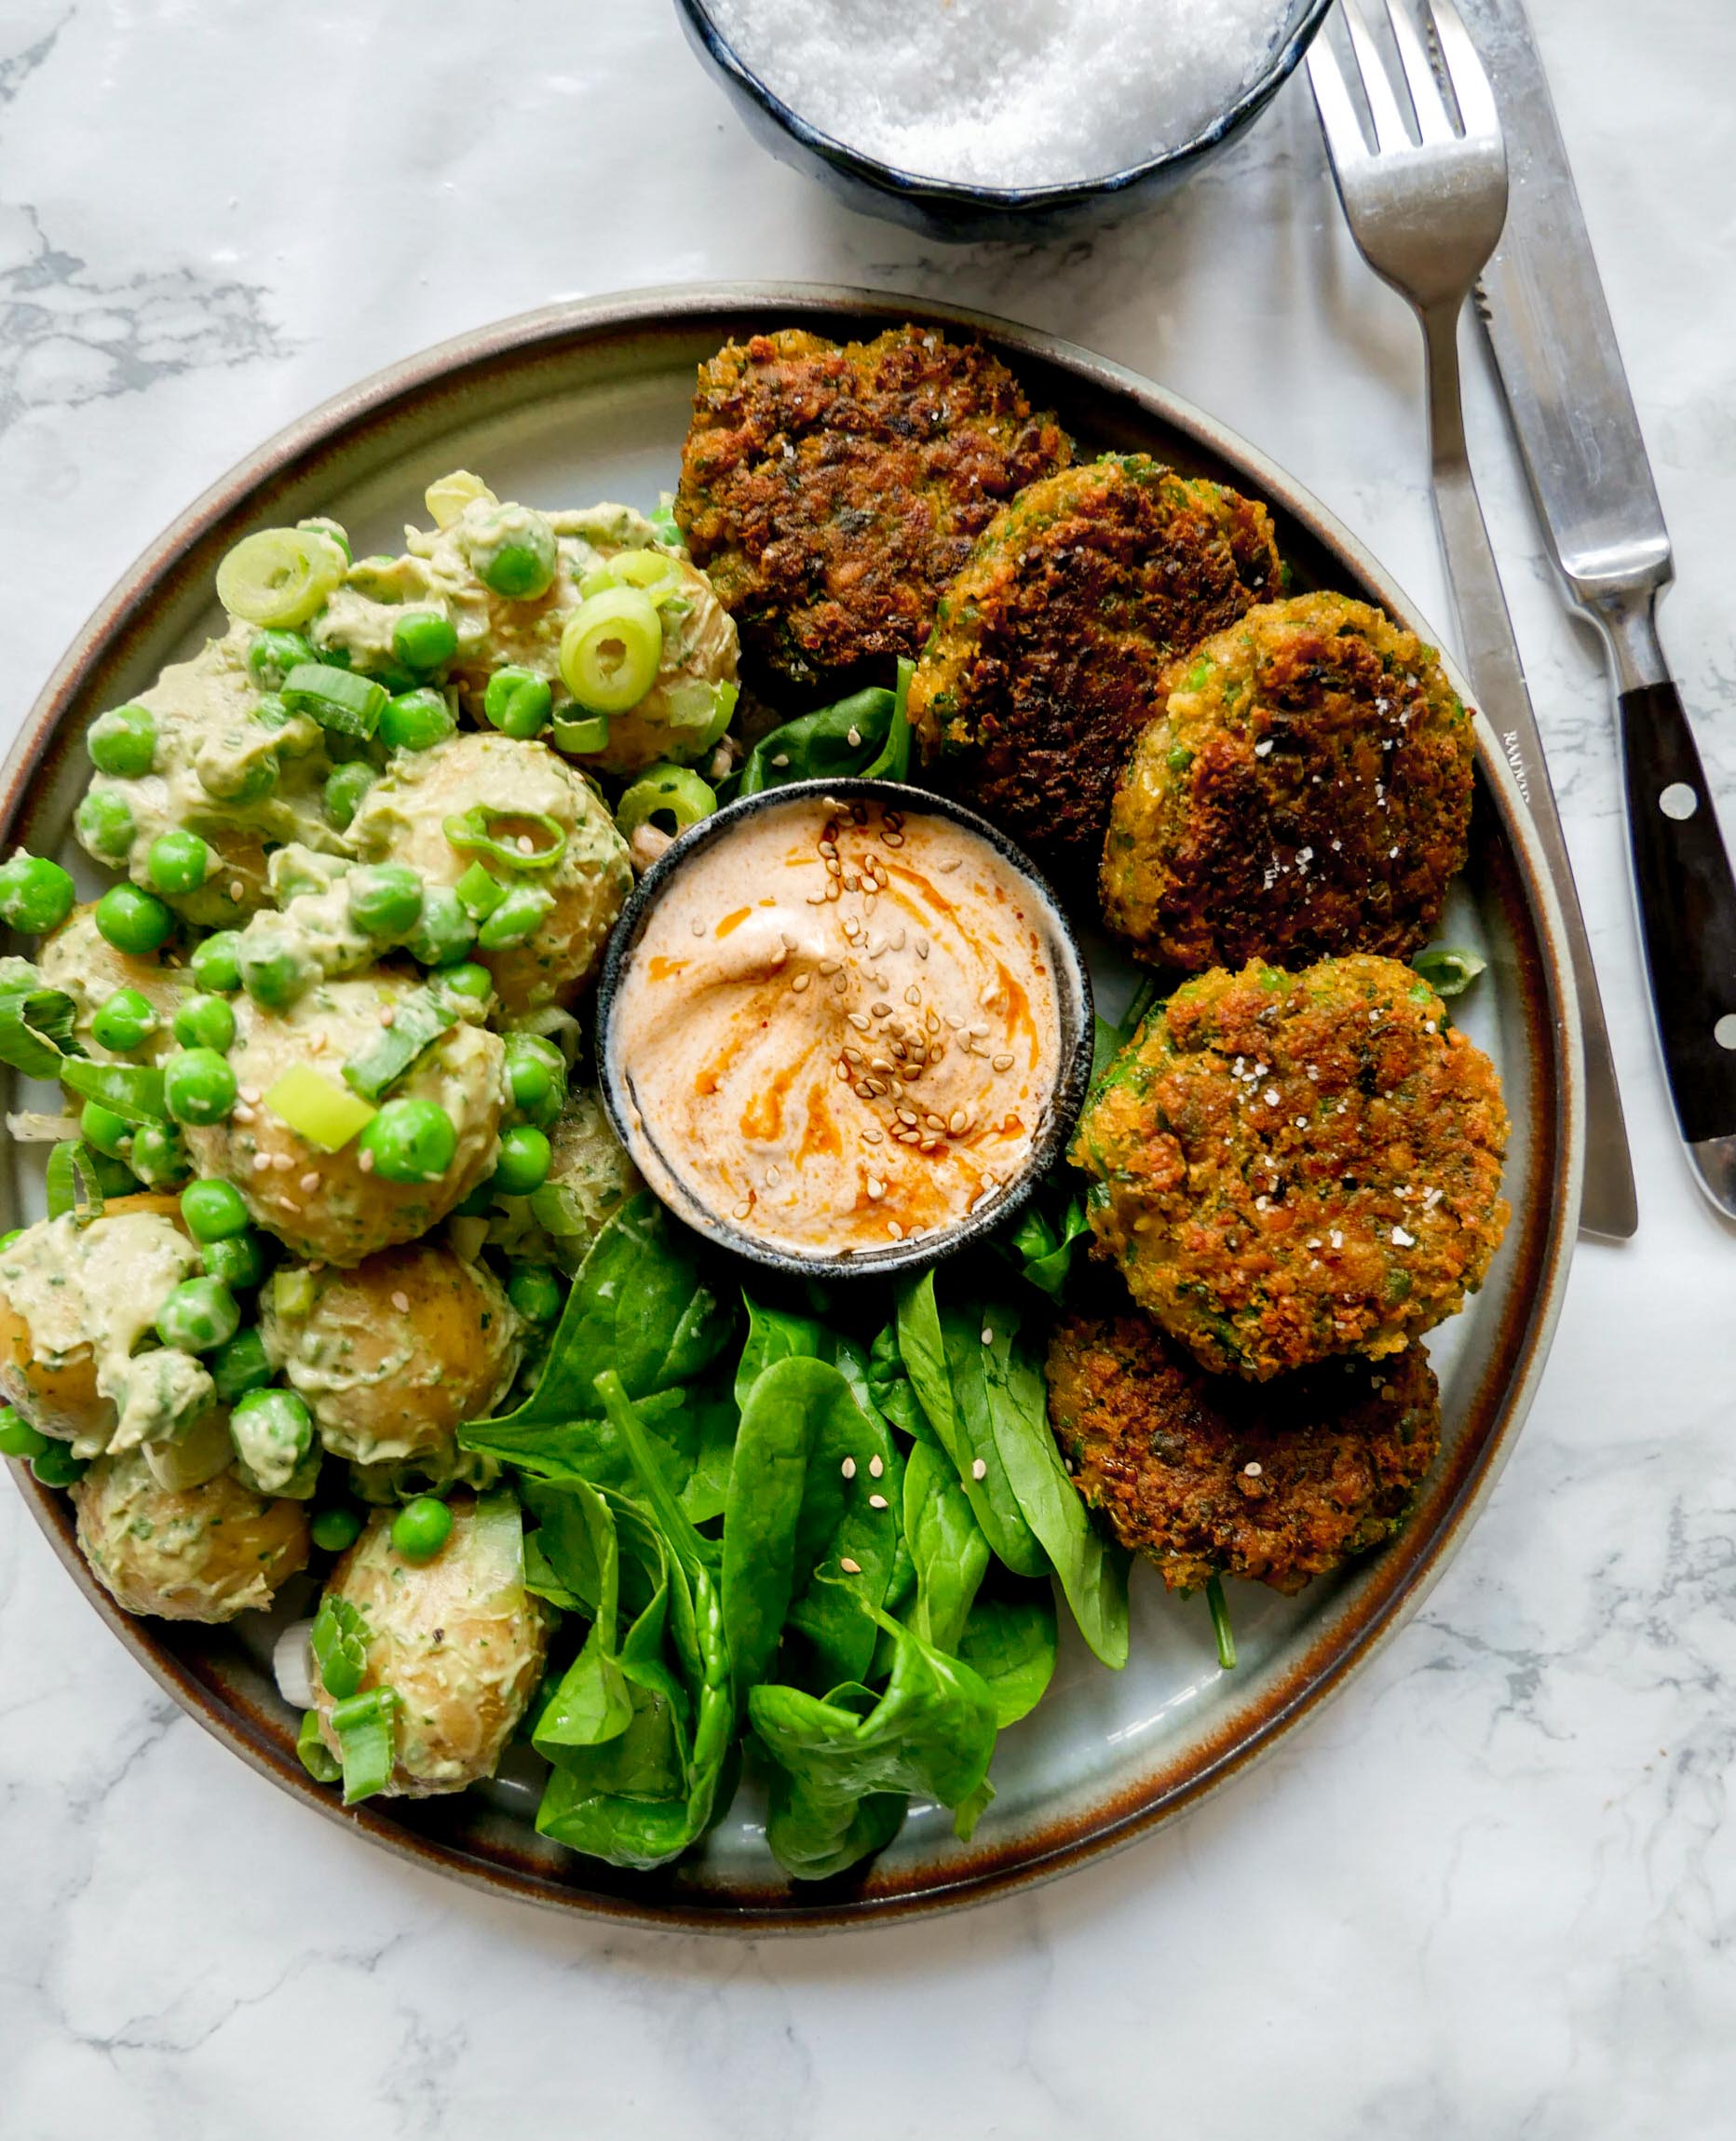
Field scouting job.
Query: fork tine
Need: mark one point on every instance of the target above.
(1432, 124)
(1464, 70)
(1390, 132)
(1338, 121)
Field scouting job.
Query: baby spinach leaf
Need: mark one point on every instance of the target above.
(1093, 1572)
(792, 1511)
(888, 1383)
(1044, 1249)
(573, 1557)
(1009, 1642)
(710, 1411)
(947, 1549)
(893, 762)
(932, 1731)
(819, 747)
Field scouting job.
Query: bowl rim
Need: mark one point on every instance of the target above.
(1072, 1004)
(426, 385)
(963, 197)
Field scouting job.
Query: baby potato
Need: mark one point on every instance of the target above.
(78, 959)
(328, 1206)
(458, 1639)
(197, 1553)
(72, 1296)
(392, 1355)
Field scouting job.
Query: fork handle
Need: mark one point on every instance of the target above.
(1610, 1206)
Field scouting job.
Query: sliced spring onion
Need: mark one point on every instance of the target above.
(317, 1758)
(479, 894)
(712, 709)
(582, 737)
(339, 1642)
(73, 1184)
(471, 832)
(1449, 970)
(279, 577)
(336, 699)
(293, 1293)
(447, 499)
(419, 1020)
(611, 650)
(557, 1210)
(134, 1091)
(363, 1726)
(318, 1108)
(36, 1025)
(664, 790)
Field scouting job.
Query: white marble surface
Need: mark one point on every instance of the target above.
(1492, 1890)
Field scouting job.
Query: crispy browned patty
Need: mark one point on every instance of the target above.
(1203, 1474)
(1305, 791)
(1049, 648)
(831, 492)
(1290, 1166)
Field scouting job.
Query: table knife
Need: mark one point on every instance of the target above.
(1542, 303)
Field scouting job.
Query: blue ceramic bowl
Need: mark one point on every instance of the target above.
(946, 208)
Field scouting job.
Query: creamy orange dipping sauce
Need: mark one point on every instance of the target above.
(839, 1028)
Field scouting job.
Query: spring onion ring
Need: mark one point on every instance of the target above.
(612, 649)
(279, 577)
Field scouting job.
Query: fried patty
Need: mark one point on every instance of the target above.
(1306, 791)
(831, 492)
(1293, 1165)
(1049, 647)
(1205, 1475)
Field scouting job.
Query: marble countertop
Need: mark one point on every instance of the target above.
(1491, 1891)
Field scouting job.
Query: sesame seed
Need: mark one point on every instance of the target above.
(250, 1093)
(979, 1470)
(951, 863)
(874, 1137)
(876, 1467)
(844, 1072)
(800, 983)
(881, 1010)
(907, 1115)
(922, 947)
(699, 929)
(1272, 1096)
(878, 1501)
(309, 1182)
(850, 1567)
(282, 1162)
(1003, 1062)
(400, 1301)
(848, 1468)
(853, 737)
(262, 1162)
(365, 1161)
(860, 1021)
(242, 1112)
(988, 1335)
(829, 967)
(742, 1211)
(387, 1014)
(772, 1178)
(979, 1032)
(1263, 749)
(1253, 1471)
(780, 758)
(852, 1055)
(956, 1121)
(876, 1188)
(895, 1230)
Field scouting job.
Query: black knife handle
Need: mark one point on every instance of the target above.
(1686, 905)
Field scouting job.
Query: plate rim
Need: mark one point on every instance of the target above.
(227, 504)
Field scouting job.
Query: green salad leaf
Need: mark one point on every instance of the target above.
(1449, 970)
(947, 1549)
(865, 736)
(1009, 1642)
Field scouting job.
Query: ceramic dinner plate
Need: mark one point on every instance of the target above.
(591, 402)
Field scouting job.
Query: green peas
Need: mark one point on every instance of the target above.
(272, 972)
(516, 917)
(179, 862)
(333, 1529)
(125, 1021)
(212, 1209)
(198, 1316)
(215, 964)
(384, 900)
(345, 786)
(57, 1467)
(271, 1417)
(468, 979)
(409, 1141)
(274, 653)
(133, 921)
(513, 554)
(104, 1131)
(35, 894)
(18, 1438)
(536, 1075)
(416, 721)
(104, 824)
(445, 932)
(239, 1365)
(158, 1157)
(123, 744)
(517, 701)
(238, 1262)
(206, 1023)
(535, 1291)
(524, 1162)
(198, 1086)
(421, 1529)
(423, 639)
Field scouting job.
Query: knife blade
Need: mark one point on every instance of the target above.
(1541, 302)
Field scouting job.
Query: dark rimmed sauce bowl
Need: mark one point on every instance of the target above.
(955, 208)
(1073, 1056)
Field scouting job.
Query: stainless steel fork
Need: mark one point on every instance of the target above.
(1425, 212)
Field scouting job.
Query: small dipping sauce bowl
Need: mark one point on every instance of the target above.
(844, 1027)
(957, 209)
